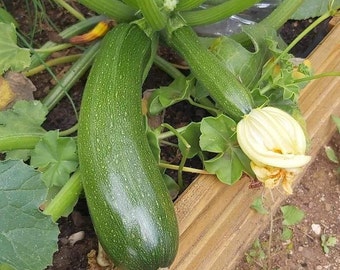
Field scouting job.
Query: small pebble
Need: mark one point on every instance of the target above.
(74, 238)
(316, 228)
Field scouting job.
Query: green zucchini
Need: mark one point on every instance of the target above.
(129, 204)
(227, 91)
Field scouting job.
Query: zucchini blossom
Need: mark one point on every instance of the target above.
(275, 143)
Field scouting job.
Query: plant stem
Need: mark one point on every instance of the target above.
(184, 154)
(211, 110)
(152, 14)
(68, 131)
(169, 133)
(318, 76)
(163, 142)
(56, 48)
(114, 9)
(216, 13)
(282, 13)
(51, 63)
(71, 77)
(66, 198)
(270, 239)
(70, 9)
(188, 4)
(78, 28)
(19, 141)
(131, 3)
(167, 67)
(184, 169)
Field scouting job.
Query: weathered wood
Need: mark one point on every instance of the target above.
(216, 223)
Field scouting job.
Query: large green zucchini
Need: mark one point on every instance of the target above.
(129, 204)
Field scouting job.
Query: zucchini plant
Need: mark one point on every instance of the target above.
(111, 155)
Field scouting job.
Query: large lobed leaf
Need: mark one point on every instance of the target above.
(244, 63)
(28, 238)
(56, 157)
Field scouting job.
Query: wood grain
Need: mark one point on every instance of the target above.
(216, 223)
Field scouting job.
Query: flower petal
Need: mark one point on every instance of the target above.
(270, 136)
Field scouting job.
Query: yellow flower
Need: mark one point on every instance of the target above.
(276, 145)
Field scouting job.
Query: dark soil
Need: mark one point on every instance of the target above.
(63, 117)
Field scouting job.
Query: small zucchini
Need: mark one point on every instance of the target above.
(129, 204)
(227, 91)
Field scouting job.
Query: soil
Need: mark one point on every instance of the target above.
(317, 195)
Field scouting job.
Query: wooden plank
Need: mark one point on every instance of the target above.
(216, 224)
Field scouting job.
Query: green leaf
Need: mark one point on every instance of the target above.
(172, 186)
(25, 117)
(278, 81)
(218, 134)
(313, 8)
(56, 157)
(327, 242)
(256, 252)
(23, 154)
(226, 166)
(191, 134)
(291, 215)
(286, 234)
(336, 120)
(28, 238)
(7, 17)
(259, 99)
(12, 56)
(166, 96)
(241, 62)
(331, 154)
(6, 267)
(258, 206)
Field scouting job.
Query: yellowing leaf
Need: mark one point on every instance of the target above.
(6, 93)
(20, 85)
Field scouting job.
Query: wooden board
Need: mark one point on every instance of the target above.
(216, 224)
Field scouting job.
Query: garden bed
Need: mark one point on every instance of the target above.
(216, 223)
